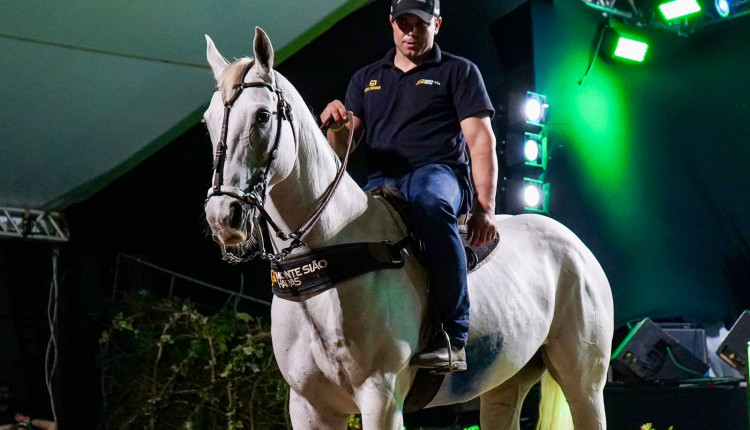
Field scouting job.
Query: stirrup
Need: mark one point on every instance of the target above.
(451, 367)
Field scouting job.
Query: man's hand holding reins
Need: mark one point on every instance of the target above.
(336, 118)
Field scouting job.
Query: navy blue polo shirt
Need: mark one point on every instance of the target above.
(413, 118)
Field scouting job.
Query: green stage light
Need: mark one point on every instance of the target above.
(631, 49)
(535, 195)
(535, 108)
(679, 8)
(535, 150)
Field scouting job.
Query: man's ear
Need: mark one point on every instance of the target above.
(438, 24)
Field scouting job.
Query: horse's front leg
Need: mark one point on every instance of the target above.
(381, 400)
(305, 416)
(385, 414)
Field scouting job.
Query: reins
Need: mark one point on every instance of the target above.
(255, 194)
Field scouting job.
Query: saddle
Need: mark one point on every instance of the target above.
(475, 255)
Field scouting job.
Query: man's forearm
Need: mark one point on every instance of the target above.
(484, 173)
(484, 169)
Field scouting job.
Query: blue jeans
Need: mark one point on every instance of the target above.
(435, 199)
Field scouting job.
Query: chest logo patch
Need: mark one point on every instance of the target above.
(428, 82)
(373, 86)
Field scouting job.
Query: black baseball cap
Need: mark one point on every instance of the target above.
(424, 9)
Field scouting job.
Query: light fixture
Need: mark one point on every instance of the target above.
(535, 195)
(733, 8)
(679, 8)
(535, 150)
(535, 108)
(640, 13)
(722, 8)
(630, 49)
(615, 44)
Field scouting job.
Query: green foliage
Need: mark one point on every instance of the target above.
(355, 422)
(167, 366)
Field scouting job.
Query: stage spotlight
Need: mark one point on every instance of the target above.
(620, 46)
(722, 8)
(535, 150)
(532, 195)
(727, 8)
(535, 195)
(679, 8)
(535, 108)
(630, 49)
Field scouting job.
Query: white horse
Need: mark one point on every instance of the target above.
(541, 303)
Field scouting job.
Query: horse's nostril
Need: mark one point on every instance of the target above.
(235, 215)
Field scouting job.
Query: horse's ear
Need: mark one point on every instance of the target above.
(263, 50)
(215, 59)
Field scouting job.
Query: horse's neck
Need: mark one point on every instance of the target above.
(296, 197)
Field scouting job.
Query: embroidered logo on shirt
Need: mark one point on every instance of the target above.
(428, 82)
(373, 86)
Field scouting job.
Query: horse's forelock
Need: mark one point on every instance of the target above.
(232, 75)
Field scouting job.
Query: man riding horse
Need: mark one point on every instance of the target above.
(542, 303)
(421, 110)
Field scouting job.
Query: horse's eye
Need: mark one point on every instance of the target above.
(262, 116)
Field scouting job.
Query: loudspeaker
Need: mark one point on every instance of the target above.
(692, 338)
(648, 354)
(733, 349)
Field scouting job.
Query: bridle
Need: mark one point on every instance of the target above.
(255, 193)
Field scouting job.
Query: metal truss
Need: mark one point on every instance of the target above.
(642, 13)
(33, 224)
(627, 11)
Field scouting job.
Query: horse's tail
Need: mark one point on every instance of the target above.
(554, 413)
